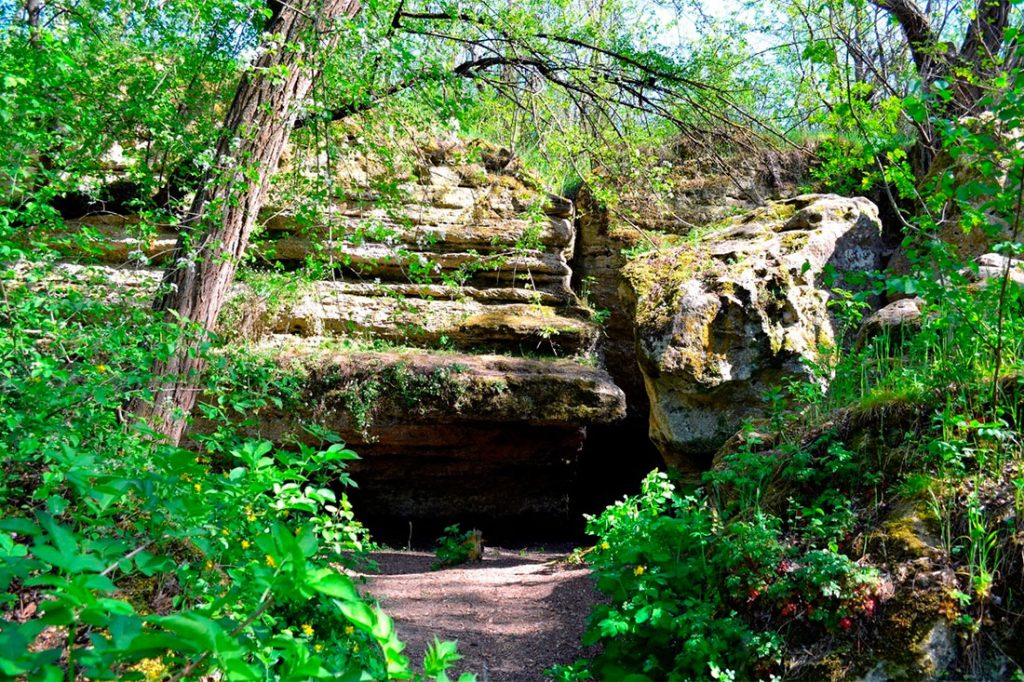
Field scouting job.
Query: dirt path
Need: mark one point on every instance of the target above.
(514, 613)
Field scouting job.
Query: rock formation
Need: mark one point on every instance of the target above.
(470, 438)
(720, 321)
(460, 259)
(697, 193)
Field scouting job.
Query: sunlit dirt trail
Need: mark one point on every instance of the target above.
(514, 614)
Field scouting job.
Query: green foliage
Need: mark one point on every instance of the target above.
(123, 557)
(456, 547)
(398, 385)
(691, 582)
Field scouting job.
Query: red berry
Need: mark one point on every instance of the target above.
(789, 609)
(845, 623)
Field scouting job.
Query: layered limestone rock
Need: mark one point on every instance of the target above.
(720, 321)
(451, 257)
(453, 437)
(459, 254)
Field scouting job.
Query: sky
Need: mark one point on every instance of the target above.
(685, 29)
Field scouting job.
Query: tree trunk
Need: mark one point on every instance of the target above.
(33, 8)
(222, 216)
(967, 70)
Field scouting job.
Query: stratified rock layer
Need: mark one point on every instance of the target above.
(463, 259)
(453, 437)
(721, 321)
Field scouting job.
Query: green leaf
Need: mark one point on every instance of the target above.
(20, 526)
(384, 628)
(916, 109)
(194, 628)
(334, 584)
(359, 614)
(237, 669)
(338, 452)
(820, 52)
(64, 538)
(124, 629)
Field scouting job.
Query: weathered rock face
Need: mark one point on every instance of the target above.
(720, 321)
(453, 437)
(698, 193)
(465, 260)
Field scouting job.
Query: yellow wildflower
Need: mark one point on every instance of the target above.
(318, 647)
(151, 668)
(355, 648)
(245, 544)
(250, 518)
(209, 565)
(102, 369)
(198, 487)
(307, 629)
(605, 545)
(349, 630)
(271, 561)
(639, 570)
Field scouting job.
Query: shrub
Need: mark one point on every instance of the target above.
(122, 557)
(690, 588)
(455, 547)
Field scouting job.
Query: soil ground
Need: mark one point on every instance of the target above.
(514, 614)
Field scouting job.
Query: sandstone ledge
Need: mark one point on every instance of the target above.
(488, 440)
(437, 388)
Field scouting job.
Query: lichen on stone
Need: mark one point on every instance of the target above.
(719, 320)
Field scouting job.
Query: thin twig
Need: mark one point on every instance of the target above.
(187, 670)
(127, 557)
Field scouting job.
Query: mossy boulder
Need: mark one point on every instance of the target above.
(720, 320)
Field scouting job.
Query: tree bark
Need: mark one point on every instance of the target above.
(917, 29)
(223, 214)
(965, 69)
(33, 9)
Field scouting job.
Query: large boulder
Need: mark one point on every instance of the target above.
(650, 209)
(720, 320)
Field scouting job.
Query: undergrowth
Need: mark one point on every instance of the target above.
(122, 557)
(802, 552)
